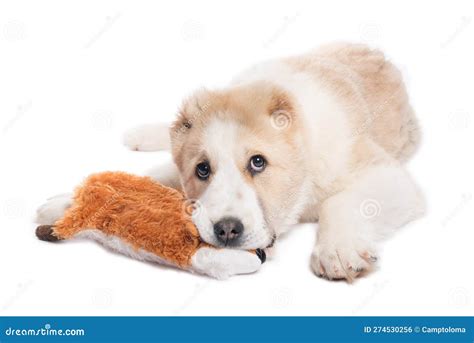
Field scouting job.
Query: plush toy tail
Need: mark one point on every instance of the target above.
(47, 233)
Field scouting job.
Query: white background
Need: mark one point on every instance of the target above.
(74, 76)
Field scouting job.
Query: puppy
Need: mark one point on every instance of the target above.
(320, 136)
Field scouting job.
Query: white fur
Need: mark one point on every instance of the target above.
(352, 222)
(116, 244)
(228, 194)
(324, 117)
(222, 263)
(53, 209)
(167, 174)
(324, 121)
(301, 209)
(217, 263)
(347, 241)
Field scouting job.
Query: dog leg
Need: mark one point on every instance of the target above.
(167, 174)
(148, 137)
(223, 263)
(352, 222)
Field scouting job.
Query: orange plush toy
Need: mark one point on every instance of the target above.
(140, 218)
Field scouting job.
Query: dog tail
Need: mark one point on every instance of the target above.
(148, 137)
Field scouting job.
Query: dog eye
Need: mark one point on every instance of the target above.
(203, 170)
(257, 164)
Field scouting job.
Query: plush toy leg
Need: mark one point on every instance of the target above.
(223, 263)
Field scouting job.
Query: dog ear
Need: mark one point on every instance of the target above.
(280, 101)
(190, 111)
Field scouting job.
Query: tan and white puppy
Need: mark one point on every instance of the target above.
(319, 136)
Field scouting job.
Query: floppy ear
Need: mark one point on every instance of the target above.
(193, 110)
(280, 102)
(190, 111)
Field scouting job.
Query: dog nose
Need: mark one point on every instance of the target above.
(228, 230)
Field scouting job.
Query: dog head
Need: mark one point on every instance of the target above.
(240, 158)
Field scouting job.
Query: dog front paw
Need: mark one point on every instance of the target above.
(343, 259)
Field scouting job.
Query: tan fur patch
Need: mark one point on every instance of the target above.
(250, 106)
(372, 90)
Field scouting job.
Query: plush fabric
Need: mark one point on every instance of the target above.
(135, 209)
